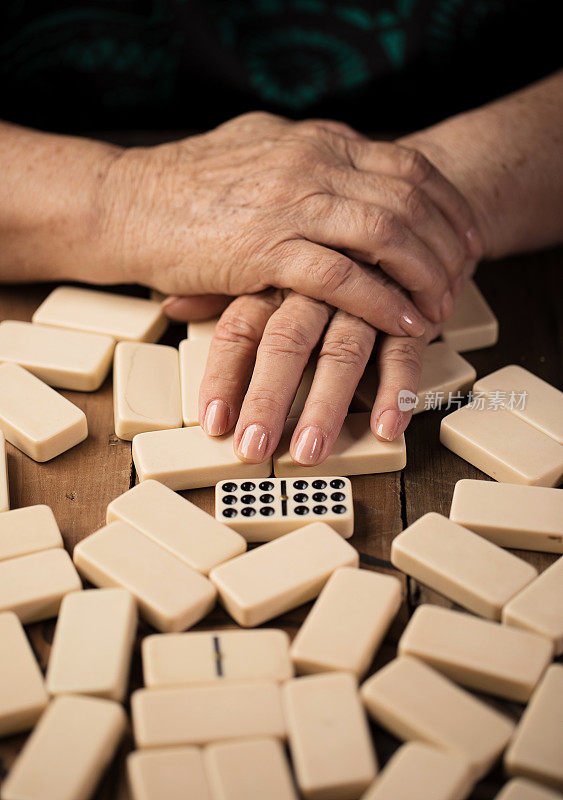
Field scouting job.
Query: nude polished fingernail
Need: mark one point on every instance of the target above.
(254, 443)
(411, 325)
(388, 424)
(216, 418)
(309, 445)
(473, 241)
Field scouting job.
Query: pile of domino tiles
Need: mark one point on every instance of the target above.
(218, 707)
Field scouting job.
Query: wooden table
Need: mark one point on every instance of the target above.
(524, 292)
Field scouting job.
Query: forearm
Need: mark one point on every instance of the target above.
(507, 159)
(49, 206)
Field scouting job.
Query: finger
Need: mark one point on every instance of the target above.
(289, 338)
(199, 306)
(345, 351)
(376, 235)
(231, 359)
(412, 205)
(333, 278)
(399, 364)
(388, 158)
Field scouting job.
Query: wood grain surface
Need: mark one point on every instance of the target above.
(524, 292)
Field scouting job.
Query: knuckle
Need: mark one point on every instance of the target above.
(265, 403)
(415, 167)
(405, 357)
(285, 335)
(386, 229)
(331, 274)
(345, 349)
(415, 203)
(234, 329)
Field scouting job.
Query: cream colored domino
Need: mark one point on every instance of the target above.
(28, 530)
(33, 586)
(418, 771)
(522, 789)
(116, 315)
(193, 359)
(188, 459)
(472, 325)
(35, 418)
(67, 753)
(93, 643)
(328, 736)
(477, 653)
(536, 750)
(461, 565)
(263, 510)
(282, 574)
(347, 623)
(302, 393)
(204, 714)
(64, 358)
(503, 446)
(522, 517)
(202, 329)
(146, 389)
(414, 702)
(4, 483)
(355, 452)
(443, 371)
(170, 595)
(539, 606)
(543, 403)
(177, 525)
(176, 773)
(253, 770)
(23, 697)
(176, 659)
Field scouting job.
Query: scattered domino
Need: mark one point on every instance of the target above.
(472, 325)
(539, 606)
(179, 659)
(249, 771)
(282, 574)
(4, 484)
(461, 565)
(193, 359)
(177, 773)
(35, 418)
(117, 315)
(503, 446)
(477, 653)
(543, 403)
(302, 393)
(23, 696)
(536, 750)
(146, 388)
(522, 789)
(443, 371)
(202, 330)
(169, 594)
(510, 515)
(68, 751)
(177, 525)
(28, 530)
(187, 458)
(414, 702)
(355, 452)
(198, 715)
(263, 510)
(347, 623)
(64, 358)
(33, 586)
(93, 643)
(328, 736)
(418, 771)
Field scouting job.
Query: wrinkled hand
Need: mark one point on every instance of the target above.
(261, 202)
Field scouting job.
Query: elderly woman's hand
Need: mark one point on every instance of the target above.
(260, 202)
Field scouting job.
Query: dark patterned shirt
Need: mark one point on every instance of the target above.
(378, 64)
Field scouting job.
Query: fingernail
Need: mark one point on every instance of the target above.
(254, 443)
(309, 445)
(473, 242)
(447, 307)
(388, 424)
(216, 418)
(411, 325)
